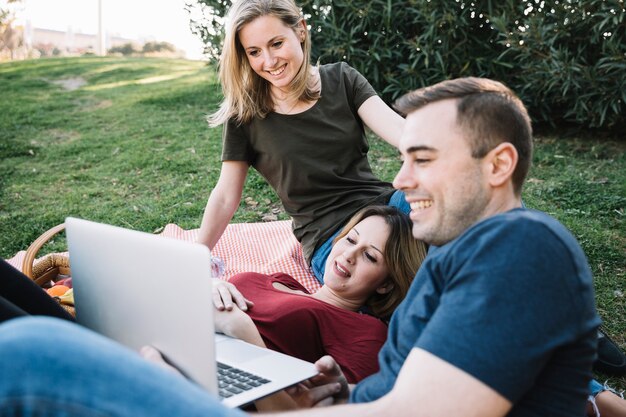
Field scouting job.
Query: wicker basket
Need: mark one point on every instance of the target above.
(49, 268)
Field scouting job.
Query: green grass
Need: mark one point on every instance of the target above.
(128, 148)
(132, 148)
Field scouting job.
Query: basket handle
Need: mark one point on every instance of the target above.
(31, 252)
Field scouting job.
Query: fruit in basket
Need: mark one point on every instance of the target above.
(57, 290)
(68, 297)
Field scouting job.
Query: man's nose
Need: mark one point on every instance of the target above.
(404, 178)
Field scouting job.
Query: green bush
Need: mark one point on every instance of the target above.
(207, 22)
(158, 47)
(569, 62)
(566, 59)
(126, 49)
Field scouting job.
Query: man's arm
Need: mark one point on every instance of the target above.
(426, 386)
(430, 386)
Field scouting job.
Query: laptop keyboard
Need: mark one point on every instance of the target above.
(232, 381)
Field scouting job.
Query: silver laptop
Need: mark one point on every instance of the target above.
(142, 289)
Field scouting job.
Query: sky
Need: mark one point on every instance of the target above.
(157, 20)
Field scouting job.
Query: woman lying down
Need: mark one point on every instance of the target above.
(370, 268)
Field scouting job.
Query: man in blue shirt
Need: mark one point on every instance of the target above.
(500, 319)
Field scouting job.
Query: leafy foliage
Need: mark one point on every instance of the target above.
(158, 47)
(566, 59)
(126, 49)
(6, 12)
(207, 21)
(132, 49)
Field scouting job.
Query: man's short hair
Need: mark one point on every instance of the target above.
(487, 111)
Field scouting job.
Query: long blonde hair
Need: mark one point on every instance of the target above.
(247, 95)
(403, 256)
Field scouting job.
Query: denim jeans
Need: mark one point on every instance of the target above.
(318, 261)
(55, 368)
(51, 367)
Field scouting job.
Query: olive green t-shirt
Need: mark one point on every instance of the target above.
(316, 160)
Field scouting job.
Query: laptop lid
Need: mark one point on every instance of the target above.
(143, 289)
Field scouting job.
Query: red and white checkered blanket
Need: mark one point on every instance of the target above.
(247, 247)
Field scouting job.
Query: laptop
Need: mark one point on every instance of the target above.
(142, 289)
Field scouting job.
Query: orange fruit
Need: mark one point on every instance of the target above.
(57, 290)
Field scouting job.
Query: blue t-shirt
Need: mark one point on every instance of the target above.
(510, 302)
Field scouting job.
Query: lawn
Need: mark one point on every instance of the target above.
(131, 147)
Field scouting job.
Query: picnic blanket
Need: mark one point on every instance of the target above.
(247, 247)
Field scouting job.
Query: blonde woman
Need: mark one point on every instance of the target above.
(300, 126)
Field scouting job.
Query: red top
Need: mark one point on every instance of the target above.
(307, 328)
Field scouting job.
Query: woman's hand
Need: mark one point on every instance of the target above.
(226, 295)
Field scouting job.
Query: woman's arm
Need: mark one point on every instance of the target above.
(223, 202)
(383, 121)
(236, 323)
(220, 207)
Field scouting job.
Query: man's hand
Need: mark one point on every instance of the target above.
(329, 387)
(152, 354)
(226, 295)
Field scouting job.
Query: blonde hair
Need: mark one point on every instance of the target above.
(246, 94)
(403, 256)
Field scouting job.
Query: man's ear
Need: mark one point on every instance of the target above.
(501, 161)
(385, 288)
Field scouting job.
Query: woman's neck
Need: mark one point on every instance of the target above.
(282, 94)
(286, 102)
(327, 295)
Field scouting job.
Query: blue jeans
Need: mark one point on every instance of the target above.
(318, 261)
(50, 367)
